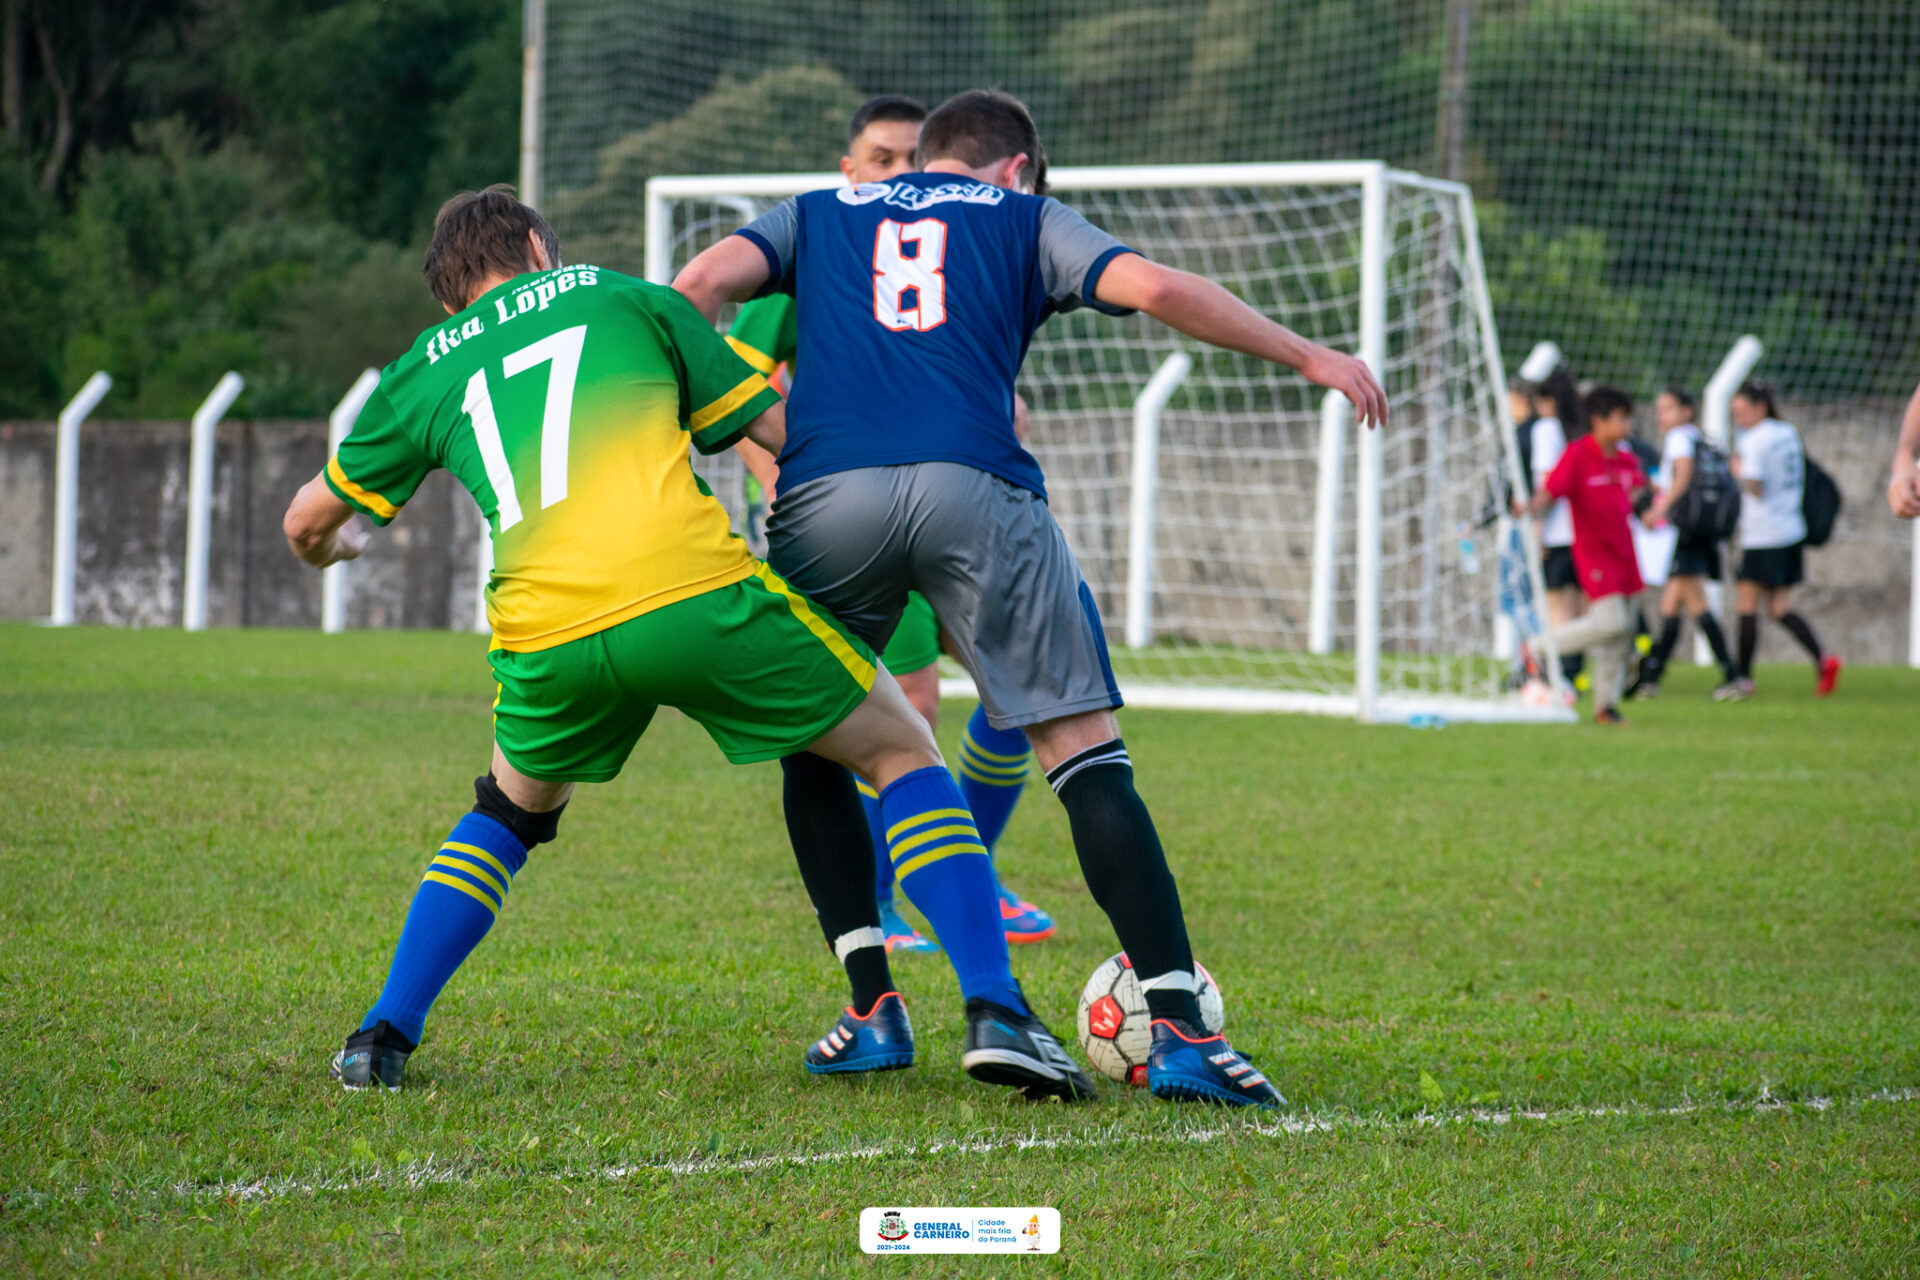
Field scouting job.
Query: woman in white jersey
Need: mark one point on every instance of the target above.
(1556, 424)
(1772, 467)
(1696, 560)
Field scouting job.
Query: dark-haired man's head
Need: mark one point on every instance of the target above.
(482, 238)
(1609, 415)
(989, 135)
(883, 139)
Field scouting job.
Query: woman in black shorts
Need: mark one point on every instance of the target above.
(1696, 561)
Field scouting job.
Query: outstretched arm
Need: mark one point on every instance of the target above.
(320, 528)
(731, 271)
(1202, 309)
(1903, 495)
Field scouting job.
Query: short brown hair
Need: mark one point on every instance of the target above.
(477, 234)
(980, 127)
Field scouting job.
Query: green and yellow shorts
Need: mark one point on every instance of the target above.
(764, 671)
(916, 640)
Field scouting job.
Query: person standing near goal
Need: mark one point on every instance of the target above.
(882, 140)
(1771, 465)
(1696, 558)
(1556, 423)
(1903, 491)
(902, 472)
(1596, 478)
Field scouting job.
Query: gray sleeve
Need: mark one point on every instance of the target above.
(1073, 253)
(776, 232)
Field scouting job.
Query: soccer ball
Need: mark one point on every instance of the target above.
(1115, 1028)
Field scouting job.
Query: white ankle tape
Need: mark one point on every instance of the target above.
(1174, 980)
(854, 939)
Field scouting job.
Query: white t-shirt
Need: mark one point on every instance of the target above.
(1549, 442)
(1770, 452)
(1676, 444)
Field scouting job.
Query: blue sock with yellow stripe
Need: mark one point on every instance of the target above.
(993, 770)
(940, 862)
(882, 864)
(464, 888)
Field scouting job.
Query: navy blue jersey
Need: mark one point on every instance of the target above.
(917, 298)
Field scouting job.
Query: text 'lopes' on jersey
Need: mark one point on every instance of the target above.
(916, 300)
(565, 401)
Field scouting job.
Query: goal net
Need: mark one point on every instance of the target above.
(1247, 547)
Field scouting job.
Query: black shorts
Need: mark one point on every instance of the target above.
(1556, 566)
(1695, 558)
(1771, 566)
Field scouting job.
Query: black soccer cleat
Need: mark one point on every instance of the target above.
(1017, 1050)
(374, 1058)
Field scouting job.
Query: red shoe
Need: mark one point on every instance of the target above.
(1829, 675)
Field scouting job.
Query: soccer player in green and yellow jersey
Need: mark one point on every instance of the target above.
(565, 400)
(882, 141)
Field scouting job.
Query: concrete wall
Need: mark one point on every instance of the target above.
(1213, 584)
(133, 532)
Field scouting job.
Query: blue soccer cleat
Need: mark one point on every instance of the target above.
(901, 936)
(1023, 921)
(881, 1040)
(1183, 1067)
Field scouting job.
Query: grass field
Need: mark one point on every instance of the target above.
(1693, 944)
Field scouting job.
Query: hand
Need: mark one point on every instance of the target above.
(1351, 378)
(350, 539)
(1903, 494)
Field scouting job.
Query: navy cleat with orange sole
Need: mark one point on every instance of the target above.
(879, 1040)
(1184, 1067)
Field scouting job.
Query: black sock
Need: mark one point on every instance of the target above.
(1804, 634)
(1126, 870)
(1571, 664)
(1717, 641)
(1749, 641)
(832, 844)
(1656, 661)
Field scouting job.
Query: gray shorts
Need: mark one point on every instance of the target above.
(985, 553)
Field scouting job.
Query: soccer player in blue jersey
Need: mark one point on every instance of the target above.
(882, 140)
(902, 471)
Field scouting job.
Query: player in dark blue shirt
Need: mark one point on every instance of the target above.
(901, 470)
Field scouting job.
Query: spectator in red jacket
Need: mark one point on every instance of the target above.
(1599, 479)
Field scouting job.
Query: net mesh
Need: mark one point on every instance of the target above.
(1654, 177)
(1237, 476)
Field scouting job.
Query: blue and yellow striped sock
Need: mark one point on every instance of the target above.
(464, 888)
(882, 864)
(993, 770)
(940, 862)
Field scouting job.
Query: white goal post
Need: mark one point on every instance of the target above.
(1237, 563)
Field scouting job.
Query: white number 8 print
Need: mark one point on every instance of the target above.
(895, 274)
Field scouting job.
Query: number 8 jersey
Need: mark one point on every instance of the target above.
(917, 298)
(565, 401)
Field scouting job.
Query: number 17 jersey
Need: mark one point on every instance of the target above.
(565, 402)
(917, 298)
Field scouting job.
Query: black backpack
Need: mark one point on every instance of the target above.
(1819, 503)
(1709, 510)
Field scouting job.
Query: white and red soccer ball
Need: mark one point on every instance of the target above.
(1115, 1028)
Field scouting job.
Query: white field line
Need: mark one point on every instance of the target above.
(430, 1173)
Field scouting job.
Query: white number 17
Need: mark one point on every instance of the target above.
(562, 350)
